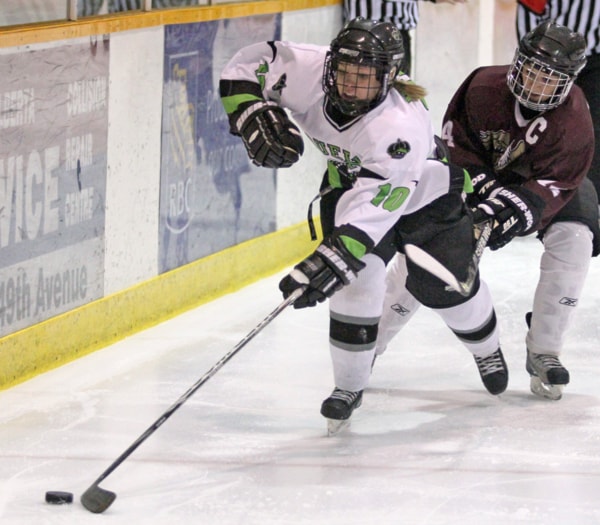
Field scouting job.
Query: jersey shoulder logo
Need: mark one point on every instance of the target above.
(281, 83)
(398, 149)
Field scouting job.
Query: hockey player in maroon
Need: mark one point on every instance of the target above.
(582, 16)
(376, 135)
(524, 133)
(529, 162)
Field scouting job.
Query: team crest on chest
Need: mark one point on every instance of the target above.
(502, 146)
(398, 149)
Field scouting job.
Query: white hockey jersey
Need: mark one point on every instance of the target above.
(390, 143)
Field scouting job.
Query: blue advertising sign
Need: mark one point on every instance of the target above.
(53, 139)
(211, 196)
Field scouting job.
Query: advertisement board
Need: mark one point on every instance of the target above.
(212, 197)
(53, 167)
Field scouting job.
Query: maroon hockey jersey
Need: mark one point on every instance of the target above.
(549, 153)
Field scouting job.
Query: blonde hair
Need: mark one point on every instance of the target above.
(409, 90)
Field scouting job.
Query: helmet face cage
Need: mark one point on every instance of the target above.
(545, 65)
(374, 47)
(334, 88)
(536, 85)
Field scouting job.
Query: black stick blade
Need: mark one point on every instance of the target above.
(96, 499)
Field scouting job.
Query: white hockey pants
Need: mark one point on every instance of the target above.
(563, 269)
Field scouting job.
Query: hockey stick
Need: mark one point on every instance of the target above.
(95, 498)
(309, 218)
(433, 266)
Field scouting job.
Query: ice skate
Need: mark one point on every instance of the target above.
(338, 408)
(493, 372)
(548, 375)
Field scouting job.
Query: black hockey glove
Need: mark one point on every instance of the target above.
(513, 215)
(271, 138)
(484, 183)
(323, 273)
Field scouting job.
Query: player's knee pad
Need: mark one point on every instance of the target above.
(355, 310)
(353, 334)
(567, 246)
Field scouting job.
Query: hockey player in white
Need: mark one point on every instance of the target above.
(380, 189)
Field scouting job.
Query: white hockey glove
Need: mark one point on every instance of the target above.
(327, 270)
(513, 215)
(271, 138)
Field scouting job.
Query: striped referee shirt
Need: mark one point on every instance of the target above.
(404, 14)
(582, 16)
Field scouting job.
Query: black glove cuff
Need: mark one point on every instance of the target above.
(517, 199)
(253, 110)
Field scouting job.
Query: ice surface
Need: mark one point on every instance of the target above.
(428, 446)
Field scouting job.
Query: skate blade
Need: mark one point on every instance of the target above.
(553, 392)
(335, 426)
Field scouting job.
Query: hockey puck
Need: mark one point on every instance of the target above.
(56, 497)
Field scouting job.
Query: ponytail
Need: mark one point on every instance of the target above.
(409, 90)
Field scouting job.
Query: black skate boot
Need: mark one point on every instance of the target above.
(493, 372)
(338, 408)
(548, 375)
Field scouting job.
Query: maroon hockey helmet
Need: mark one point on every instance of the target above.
(549, 57)
(363, 42)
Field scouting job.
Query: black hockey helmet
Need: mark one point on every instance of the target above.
(550, 53)
(363, 42)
